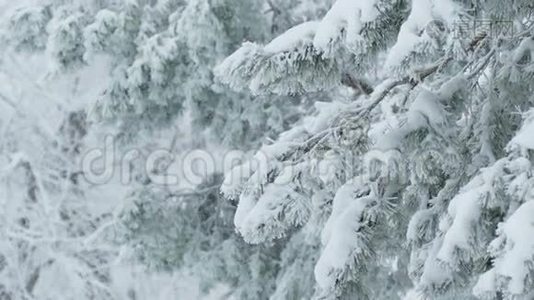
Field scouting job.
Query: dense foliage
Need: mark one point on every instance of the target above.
(386, 149)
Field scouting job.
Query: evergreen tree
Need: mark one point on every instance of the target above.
(429, 137)
(392, 148)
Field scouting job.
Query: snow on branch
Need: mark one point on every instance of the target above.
(272, 184)
(343, 237)
(290, 64)
(305, 58)
(422, 32)
(513, 250)
(28, 25)
(524, 137)
(343, 24)
(100, 34)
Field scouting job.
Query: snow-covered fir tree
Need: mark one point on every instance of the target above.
(391, 149)
(424, 171)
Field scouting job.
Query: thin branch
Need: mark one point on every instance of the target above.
(9, 102)
(482, 65)
(378, 95)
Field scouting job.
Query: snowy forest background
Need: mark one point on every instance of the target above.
(266, 149)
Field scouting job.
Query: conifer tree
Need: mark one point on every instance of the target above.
(392, 148)
(429, 126)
